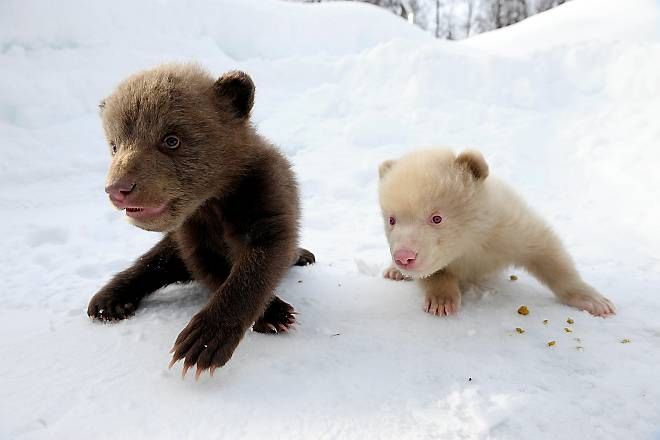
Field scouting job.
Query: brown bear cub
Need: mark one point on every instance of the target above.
(187, 162)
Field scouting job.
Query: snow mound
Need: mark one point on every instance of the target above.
(241, 29)
(575, 23)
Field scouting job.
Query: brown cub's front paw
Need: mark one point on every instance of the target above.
(444, 303)
(592, 302)
(205, 342)
(395, 274)
(278, 317)
(106, 306)
(305, 258)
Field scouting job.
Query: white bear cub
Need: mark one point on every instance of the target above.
(449, 223)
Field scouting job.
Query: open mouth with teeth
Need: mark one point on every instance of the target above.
(145, 212)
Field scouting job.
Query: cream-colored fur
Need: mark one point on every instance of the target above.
(485, 228)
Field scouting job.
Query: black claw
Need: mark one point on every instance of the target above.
(278, 314)
(108, 308)
(305, 258)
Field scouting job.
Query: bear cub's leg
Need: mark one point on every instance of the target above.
(120, 298)
(442, 294)
(395, 274)
(279, 316)
(554, 267)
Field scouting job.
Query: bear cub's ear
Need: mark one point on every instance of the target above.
(385, 167)
(238, 89)
(473, 162)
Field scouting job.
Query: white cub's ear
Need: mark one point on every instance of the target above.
(385, 167)
(473, 162)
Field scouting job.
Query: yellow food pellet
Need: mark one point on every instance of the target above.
(520, 330)
(551, 343)
(513, 278)
(568, 330)
(570, 320)
(625, 341)
(545, 321)
(523, 310)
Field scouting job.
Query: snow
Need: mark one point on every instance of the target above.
(564, 106)
(576, 22)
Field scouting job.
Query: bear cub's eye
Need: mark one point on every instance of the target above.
(171, 142)
(113, 146)
(392, 221)
(436, 219)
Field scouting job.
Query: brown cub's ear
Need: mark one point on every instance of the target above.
(385, 167)
(237, 88)
(474, 162)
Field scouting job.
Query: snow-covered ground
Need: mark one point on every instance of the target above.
(564, 105)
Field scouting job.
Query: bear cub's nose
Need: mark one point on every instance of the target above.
(119, 190)
(405, 258)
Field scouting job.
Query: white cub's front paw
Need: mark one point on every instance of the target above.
(591, 301)
(395, 274)
(444, 303)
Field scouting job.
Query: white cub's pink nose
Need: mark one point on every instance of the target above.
(405, 258)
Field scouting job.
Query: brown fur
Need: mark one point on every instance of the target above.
(232, 209)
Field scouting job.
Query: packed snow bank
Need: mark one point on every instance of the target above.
(340, 88)
(242, 29)
(575, 23)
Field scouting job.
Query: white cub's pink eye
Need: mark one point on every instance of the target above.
(436, 219)
(392, 221)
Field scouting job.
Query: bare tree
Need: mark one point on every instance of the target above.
(502, 13)
(437, 18)
(469, 17)
(544, 5)
(452, 19)
(515, 11)
(449, 19)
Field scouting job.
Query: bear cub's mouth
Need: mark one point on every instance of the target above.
(145, 212)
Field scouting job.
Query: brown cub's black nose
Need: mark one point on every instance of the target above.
(120, 189)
